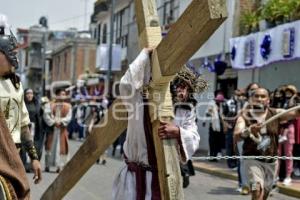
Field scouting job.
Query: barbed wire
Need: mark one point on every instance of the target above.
(197, 158)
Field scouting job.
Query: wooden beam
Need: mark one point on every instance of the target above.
(170, 179)
(166, 151)
(94, 146)
(146, 14)
(148, 23)
(198, 22)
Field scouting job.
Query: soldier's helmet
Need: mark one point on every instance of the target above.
(8, 42)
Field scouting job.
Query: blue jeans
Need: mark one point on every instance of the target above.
(231, 163)
(74, 126)
(241, 166)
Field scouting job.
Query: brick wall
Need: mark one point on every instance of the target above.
(247, 5)
(79, 62)
(81, 66)
(62, 63)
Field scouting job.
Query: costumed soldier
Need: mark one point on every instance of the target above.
(12, 98)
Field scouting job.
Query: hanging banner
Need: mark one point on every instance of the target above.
(262, 48)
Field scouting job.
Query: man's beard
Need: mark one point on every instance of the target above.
(9, 72)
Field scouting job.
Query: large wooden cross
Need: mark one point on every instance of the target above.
(187, 35)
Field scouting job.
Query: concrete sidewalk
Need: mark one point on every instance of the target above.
(220, 169)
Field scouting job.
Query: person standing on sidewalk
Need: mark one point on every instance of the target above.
(216, 125)
(230, 114)
(34, 109)
(57, 116)
(287, 133)
(260, 172)
(297, 148)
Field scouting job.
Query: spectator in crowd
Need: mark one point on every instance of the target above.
(250, 89)
(287, 135)
(244, 100)
(278, 97)
(58, 117)
(297, 146)
(34, 110)
(120, 141)
(75, 126)
(243, 187)
(216, 134)
(97, 109)
(230, 113)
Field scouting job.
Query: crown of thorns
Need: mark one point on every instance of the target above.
(194, 81)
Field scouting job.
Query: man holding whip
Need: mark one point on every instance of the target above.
(259, 126)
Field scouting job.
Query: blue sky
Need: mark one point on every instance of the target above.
(61, 14)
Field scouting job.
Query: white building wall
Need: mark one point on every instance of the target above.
(133, 46)
(120, 4)
(104, 18)
(203, 101)
(280, 73)
(219, 41)
(245, 77)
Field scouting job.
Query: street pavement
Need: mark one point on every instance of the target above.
(96, 184)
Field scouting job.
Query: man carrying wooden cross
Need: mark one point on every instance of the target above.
(187, 35)
(138, 179)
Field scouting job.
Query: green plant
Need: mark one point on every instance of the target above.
(249, 22)
(268, 11)
(279, 10)
(295, 15)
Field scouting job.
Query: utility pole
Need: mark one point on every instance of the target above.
(112, 5)
(44, 29)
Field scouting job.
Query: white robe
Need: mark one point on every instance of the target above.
(53, 157)
(135, 146)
